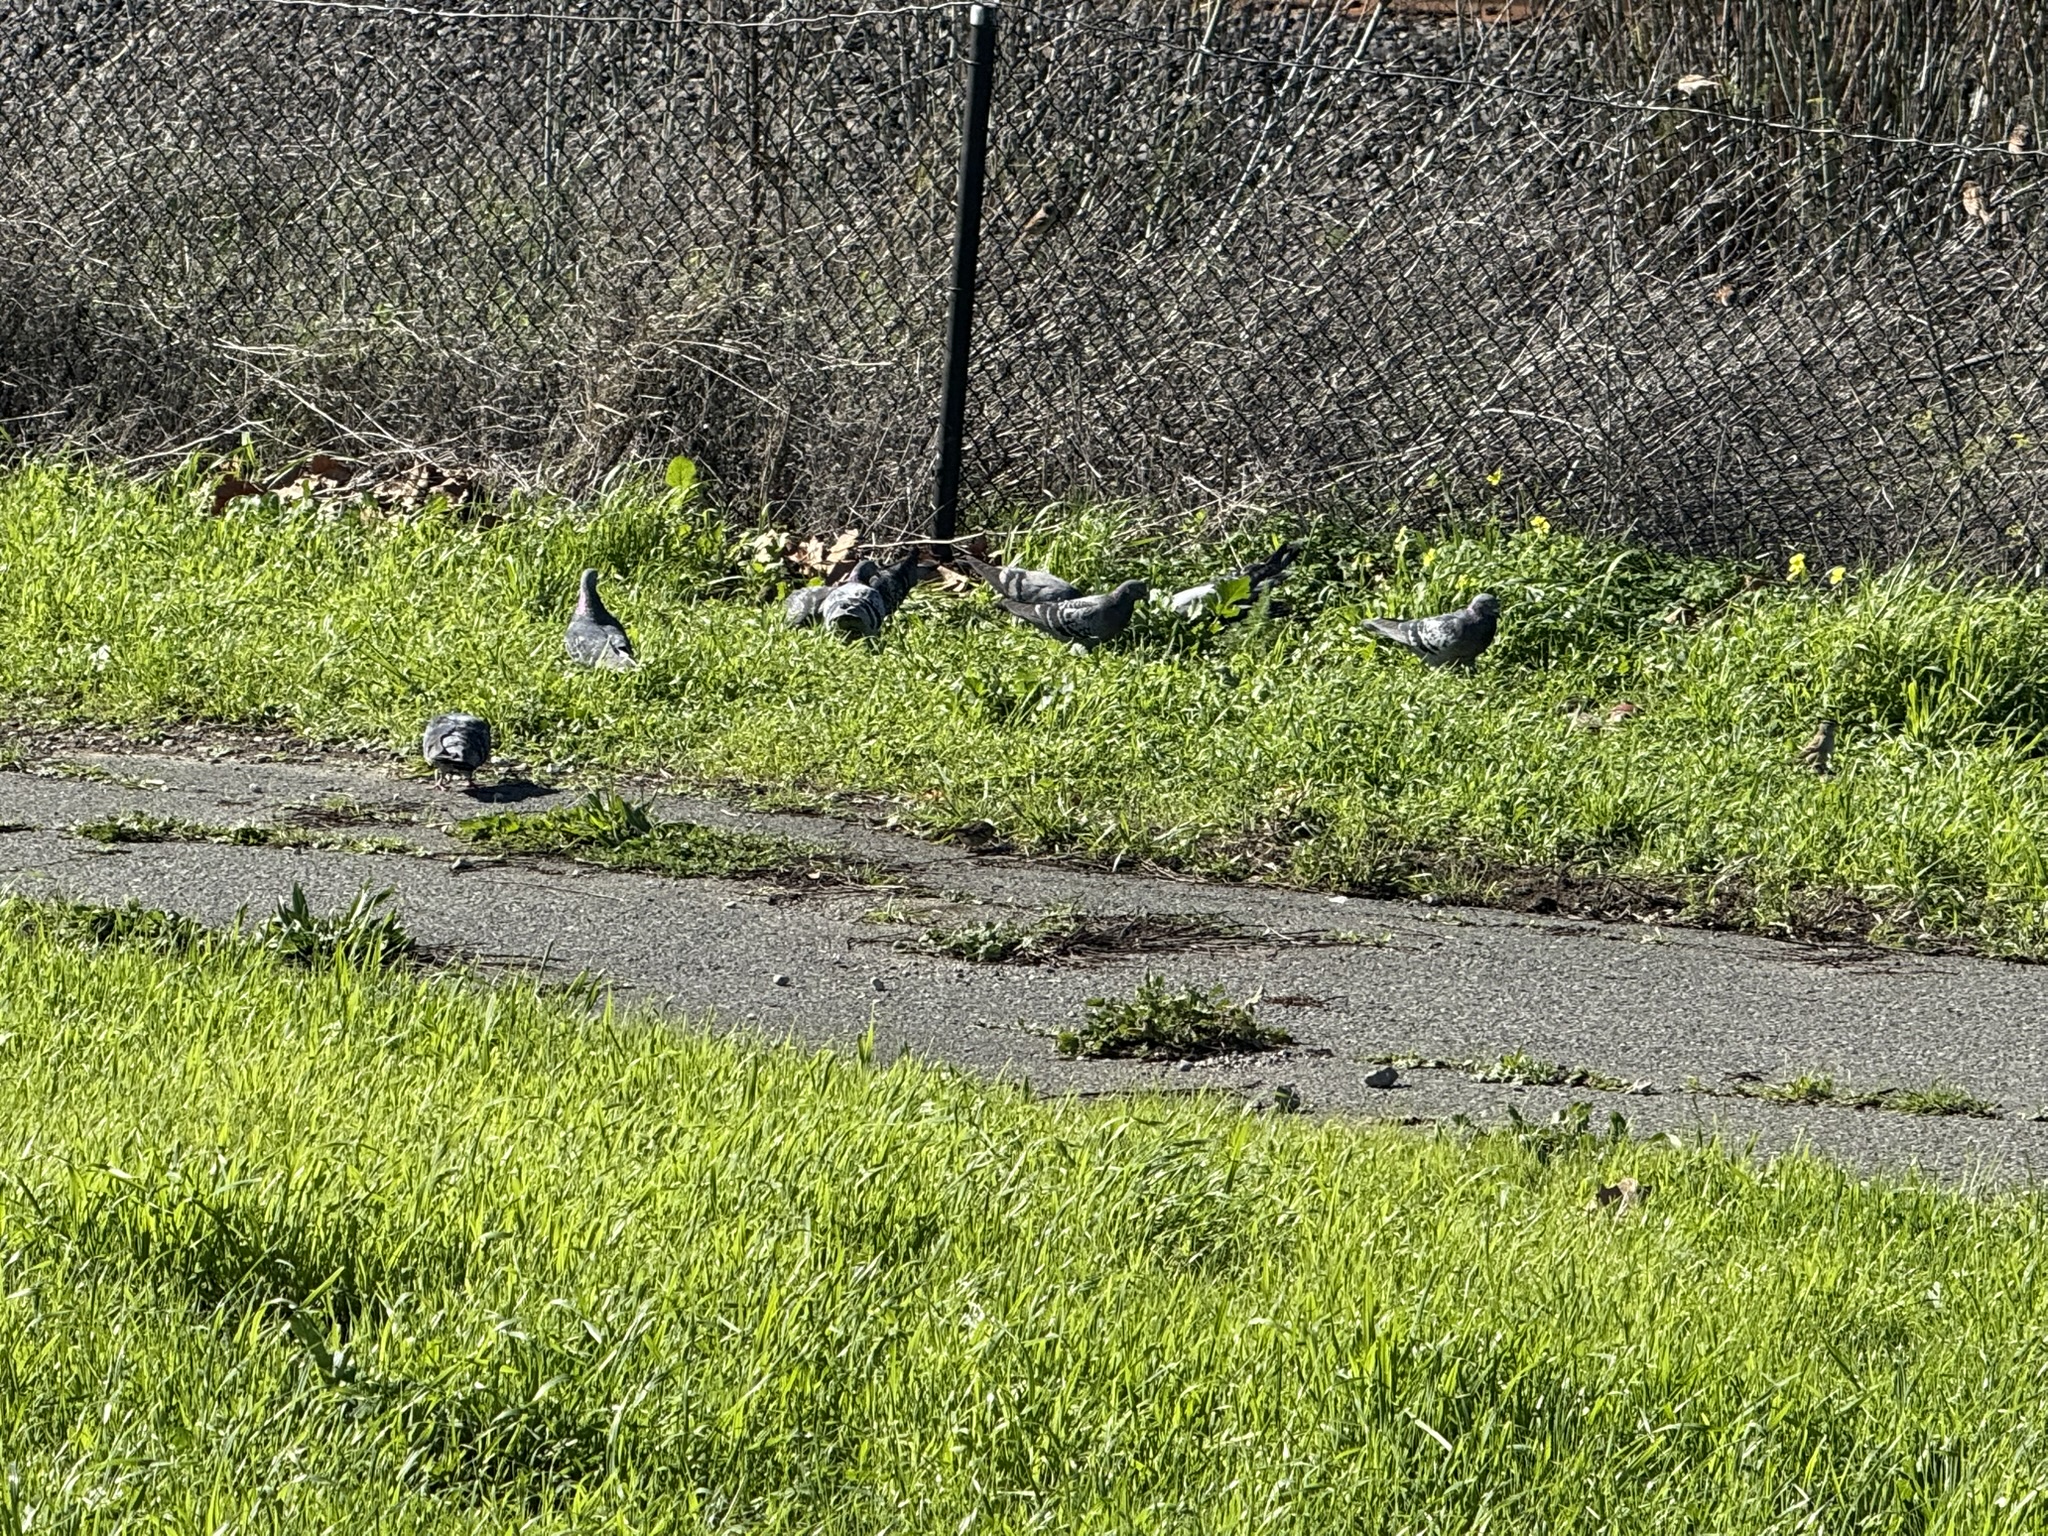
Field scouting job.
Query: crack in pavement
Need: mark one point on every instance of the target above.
(1632, 1002)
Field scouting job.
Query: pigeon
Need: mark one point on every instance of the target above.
(1818, 752)
(1020, 585)
(857, 607)
(801, 609)
(594, 637)
(894, 584)
(456, 743)
(1260, 578)
(1445, 639)
(1083, 620)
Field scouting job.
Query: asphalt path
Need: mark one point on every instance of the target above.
(1695, 1023)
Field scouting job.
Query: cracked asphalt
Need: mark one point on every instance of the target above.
(1683, 1016)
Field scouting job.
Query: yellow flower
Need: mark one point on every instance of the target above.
(1428, 558)
(1540, 526)
(1795, 568)
(1837, 575)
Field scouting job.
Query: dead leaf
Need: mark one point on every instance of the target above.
(1622, 1194)
(2017, 142)
(411, 487)
(1690, 86)
(1622, 710)
(950, 580)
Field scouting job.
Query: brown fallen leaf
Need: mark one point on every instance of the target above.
(1622, 710)
(2018, 141)
(228, 487)
(1622, 1194)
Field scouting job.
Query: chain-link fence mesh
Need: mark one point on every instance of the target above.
(1236, 257)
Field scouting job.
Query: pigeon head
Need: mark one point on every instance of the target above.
(1131, 591)
(1486, 606)
(587, 600)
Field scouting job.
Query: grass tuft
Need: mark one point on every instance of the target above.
(367, 933)
(84, 923)
(1161, 1022)
(1066, 933)
(1520, 1067)
(140, 827)
(609, 830)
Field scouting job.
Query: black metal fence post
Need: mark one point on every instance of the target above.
(981, 73)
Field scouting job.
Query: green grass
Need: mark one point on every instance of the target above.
(1275, 749)
(609, 830)
(1067, 933)
(139, 827)
(1935, 1099)
(1162, 1022)
(346, 1247)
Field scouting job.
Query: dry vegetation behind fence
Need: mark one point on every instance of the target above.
(1271, 258)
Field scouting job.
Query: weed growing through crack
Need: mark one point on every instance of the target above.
(368, 933)
(140, 827)
(1820, 1088)
(1520, 1067)
(607, 829)
(1162, 1022)
(1940, 1099)
(1807, 1088)
(1068, 933)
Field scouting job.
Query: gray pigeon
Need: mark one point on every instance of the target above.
(1084, 620)
(456, 743)
(1445, 639)
(1261, 576)
(806, 605)
(594, 637)
(859, 606)
(801, 610)
(895, 583)
(1020, 585)
(854, 609)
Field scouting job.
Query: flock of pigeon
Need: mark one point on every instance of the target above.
(857, 606)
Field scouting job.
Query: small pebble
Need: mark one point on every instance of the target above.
(1385, 1077)
(781, 981)
(878, 984)
(1431, 899)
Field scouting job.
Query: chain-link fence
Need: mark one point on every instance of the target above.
(1239, 257)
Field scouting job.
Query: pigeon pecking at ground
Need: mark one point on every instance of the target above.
(1083, 620)
(456, 743)
(806, 605)
(594, 637)
(1445, 639)
(1258, 579)
(859, 606)
(1020, 585)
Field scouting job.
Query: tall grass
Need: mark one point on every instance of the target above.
(355, 1249)
(1942, 70)
(1290, 748)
